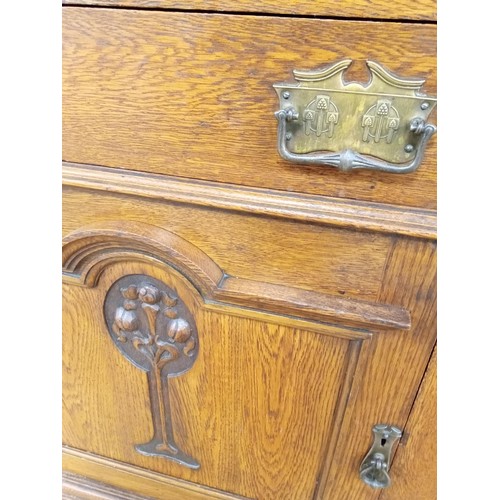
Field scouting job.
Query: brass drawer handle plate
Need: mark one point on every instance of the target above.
(152, 327)
(374, 469)
(379, 126)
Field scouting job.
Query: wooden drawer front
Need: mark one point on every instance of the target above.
(382, 9)
(191, 95)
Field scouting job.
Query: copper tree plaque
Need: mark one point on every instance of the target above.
(153, 328)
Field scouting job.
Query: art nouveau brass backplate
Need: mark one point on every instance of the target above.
(380, 126)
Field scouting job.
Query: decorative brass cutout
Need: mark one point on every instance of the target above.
(152, 328)
(381, 121)
(374, 469)
(380, 126)
(320, 116)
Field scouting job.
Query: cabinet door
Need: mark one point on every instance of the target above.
(174, 368)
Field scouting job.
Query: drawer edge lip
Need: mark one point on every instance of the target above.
(313, 209)
(74, 462)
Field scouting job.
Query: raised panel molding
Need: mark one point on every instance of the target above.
(141, 312)
(87, 251)
(119, 475)
(277, 357)
(75, 487)
(313, 209)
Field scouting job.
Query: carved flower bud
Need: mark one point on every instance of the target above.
(126, 320)
(149, 294)
(189, 347)
(170, 313)
(179, 330)
(129, 292)
(168, 300)
(129, 305)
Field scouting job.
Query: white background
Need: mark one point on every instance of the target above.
(469, 279)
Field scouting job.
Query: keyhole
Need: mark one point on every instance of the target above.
(383, 441)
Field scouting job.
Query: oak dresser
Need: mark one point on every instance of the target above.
(249, 249)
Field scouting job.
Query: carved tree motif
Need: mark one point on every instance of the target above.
(154, 329)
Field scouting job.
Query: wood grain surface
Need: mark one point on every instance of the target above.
(134, 479)
(413, 470)
(335, 261)
(256, 408)
(190, 95)
(395, 9)
(312, 209)
(81, 488)
(385, 387)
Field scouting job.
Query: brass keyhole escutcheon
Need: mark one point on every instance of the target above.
(374, 469)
